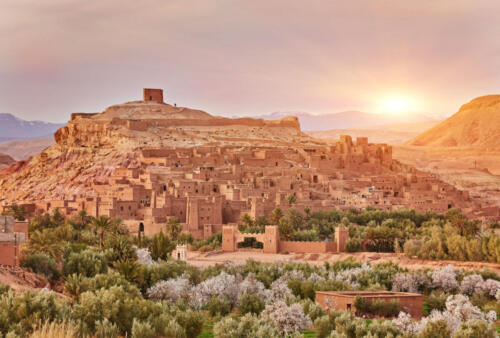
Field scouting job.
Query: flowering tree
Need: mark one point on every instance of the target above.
(445, 278)
(251, 285)
(143, 256)
(287, 319)
(222, 285)
(409, 282)
(172, 290)
(469, 283)
(458, 310)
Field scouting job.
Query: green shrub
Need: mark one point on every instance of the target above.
(190, 321)
(324, 326)
(248, 326)
(106, 329)
(475, 329)
(252, 303)
(142, 330)
(353, 245)
(436, 329)
(218, 305)
(377, 307)
(312, 309)
(116, 305)
(19, 313)
(88, 263)
(43, 264)
(173, 329)
(436, 301)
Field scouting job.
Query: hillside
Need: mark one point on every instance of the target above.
(12, 127)
(5, 160)
(390, 134)
(347, 120)
(22, 149)
(91, 146)
(477, 124)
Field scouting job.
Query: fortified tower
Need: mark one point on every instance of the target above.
(152, 95)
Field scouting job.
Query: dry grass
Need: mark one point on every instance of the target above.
(55, 330)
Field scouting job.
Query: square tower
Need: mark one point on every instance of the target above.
(152, 95)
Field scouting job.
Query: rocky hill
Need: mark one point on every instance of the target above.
(5, 160)
(91, 146)
(477, 124)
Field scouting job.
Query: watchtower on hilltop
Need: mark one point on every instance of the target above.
(153, 95)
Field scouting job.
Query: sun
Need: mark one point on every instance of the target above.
(396, 105)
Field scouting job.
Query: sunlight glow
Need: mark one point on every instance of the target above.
(396, 105)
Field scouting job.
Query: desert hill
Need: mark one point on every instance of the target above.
(477, 124)
(22, 149)
(391, 134)
(348, 120)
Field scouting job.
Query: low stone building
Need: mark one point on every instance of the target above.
(12, 235)
(411, 303)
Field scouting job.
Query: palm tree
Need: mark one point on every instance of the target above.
(276, 215)
(102, 224)
(173, 228)
(291, 199)
(45, 241)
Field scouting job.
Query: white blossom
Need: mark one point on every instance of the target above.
(221, 285)
(250, 285)
(172, 289)
(489, 287)
(287, 319)
(469, 283)
(143, 256)
(405, 323)
(409, 282)
(445, 278)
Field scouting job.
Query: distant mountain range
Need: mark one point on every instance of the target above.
(347, 119)
(12, 127)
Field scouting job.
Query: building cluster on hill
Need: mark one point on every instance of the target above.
(209, 186)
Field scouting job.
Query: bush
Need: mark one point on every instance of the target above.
(191, 321)
(475, 329)
(324, 325)
(142, 330)
(43, 264)
(54, 329)
(312, 309)
(20, 312)
(219, 305)
(87, 263)
(251, 304)
(436, 301)
(248, 326)
(377, 307)
(353, 245)
(106, 329)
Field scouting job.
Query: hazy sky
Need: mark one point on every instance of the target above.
(247, 57)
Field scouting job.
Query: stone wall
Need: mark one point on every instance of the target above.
(411, 303)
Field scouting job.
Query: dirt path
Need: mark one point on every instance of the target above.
(203, 260)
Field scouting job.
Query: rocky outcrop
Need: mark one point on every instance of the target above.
(477, 124)
(5, 160)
